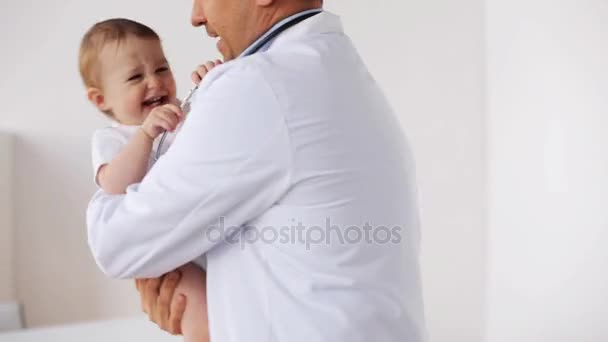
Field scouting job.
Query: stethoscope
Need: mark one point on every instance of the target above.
(269, 36)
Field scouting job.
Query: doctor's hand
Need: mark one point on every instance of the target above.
(201, 71)
(157, 301)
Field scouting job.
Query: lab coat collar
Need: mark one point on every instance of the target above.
(255, 46)
(322, 23)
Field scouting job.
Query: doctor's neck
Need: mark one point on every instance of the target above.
(279, 10)
(276, 11)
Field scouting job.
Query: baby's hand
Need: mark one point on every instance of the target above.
(202, 70)
(163, 118)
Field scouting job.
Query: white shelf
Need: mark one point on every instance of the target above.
(127, 330)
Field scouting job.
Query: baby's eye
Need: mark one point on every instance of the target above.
(134, 77)
(162, 69)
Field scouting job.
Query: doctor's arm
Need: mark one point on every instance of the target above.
(229, 164)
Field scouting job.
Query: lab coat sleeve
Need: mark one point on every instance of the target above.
(230, 163)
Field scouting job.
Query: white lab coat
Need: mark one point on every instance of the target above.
(299, 135)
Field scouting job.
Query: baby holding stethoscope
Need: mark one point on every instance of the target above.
(128, 78)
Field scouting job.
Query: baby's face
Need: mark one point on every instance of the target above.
(135, 78)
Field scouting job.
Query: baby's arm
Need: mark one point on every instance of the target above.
(131, 163)
(128, 167)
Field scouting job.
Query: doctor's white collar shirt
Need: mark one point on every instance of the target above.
(292, 176)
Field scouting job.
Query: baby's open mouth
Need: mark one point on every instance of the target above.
(156, 101)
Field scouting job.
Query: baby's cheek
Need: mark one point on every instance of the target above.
(172, 89)
(135, 97)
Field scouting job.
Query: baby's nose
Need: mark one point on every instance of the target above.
(155, 82)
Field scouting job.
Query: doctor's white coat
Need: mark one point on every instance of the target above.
(292, 176)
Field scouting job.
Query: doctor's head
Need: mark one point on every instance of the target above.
(238, 23)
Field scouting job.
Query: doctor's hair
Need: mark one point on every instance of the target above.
(101, 34)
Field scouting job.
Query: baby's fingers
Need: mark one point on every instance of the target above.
(173, 109)
(210, 65)
(168, 121)
(200, 73)
(203, 69)
(165, 125)
(196, 77)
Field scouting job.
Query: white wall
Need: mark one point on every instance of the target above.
(7, 285)
(548, 110)
(427, 55)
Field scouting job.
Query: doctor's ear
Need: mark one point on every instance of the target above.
(96, 97)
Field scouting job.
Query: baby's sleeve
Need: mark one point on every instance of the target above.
(106, 144)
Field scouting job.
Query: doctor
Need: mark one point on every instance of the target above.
(291, 176)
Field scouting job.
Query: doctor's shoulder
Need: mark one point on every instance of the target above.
(246, 76)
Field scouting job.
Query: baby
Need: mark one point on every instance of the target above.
(128, 78)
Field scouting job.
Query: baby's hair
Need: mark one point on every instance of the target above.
(103, 33)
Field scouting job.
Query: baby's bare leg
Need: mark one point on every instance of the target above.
(195, 325)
